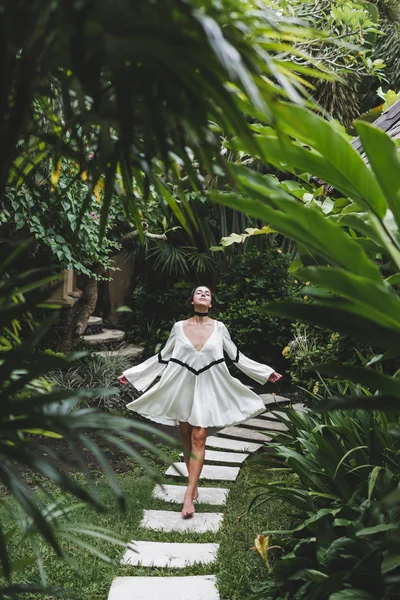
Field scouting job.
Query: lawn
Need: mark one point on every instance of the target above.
(237, 567)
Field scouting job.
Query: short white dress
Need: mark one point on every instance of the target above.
(196, 386)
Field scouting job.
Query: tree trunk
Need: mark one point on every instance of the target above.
(80, 312)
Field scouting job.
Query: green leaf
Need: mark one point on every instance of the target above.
(43, 432)
(122, 309)
(351, 594)
(345, 456)
(384, 160)
(394, 279)
(381, 528)
(307, 226)
(378, 301)
(316, 576)
(368, 377)
(295, 265)
(337, 152)
(338, 320)
(373, 476)
(390, 562)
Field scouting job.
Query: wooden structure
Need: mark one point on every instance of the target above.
(389, 121)
(67, 292)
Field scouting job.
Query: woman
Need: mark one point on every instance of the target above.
(196, 389)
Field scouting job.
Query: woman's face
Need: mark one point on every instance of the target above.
(202, 297)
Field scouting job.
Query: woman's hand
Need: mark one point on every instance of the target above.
(122, 379)
(275, 377)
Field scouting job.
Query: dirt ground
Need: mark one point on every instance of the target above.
(67, 462)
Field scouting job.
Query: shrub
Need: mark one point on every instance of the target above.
(156, 305)
(312, 346)
(251, 281)
(342, 475)
(98, 371)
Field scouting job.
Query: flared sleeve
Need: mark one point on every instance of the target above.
(257, 371)
(142, 376)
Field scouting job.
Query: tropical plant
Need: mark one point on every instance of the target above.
(73, 241)
(387, 45)
(353, 252)
(69, 92)
(349, 259)
(34, 412)
(348, 49)
(69, 239)
(97, 372)
(311, 346)
(341, 469)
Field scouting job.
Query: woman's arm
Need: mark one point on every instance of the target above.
(142, 376)
(257, 371)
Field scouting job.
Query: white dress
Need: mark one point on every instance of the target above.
(196, 386)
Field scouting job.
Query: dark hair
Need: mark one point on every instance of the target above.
(191, 295)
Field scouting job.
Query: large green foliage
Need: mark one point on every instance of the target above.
(342, 471)
(345, 463)
(34, 413)
(135, 85)
(351, 252)
(53, 218)
(353, 30)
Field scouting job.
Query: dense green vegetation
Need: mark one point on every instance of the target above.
(90, 575)
(342, 476)
(207, 119)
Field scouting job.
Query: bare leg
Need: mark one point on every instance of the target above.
(186, 441)
(199, 436)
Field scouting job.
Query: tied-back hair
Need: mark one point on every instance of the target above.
(191, 295)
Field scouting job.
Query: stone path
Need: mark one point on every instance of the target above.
(175, 493)
(230, 448)
(173, 556)
(214, 473)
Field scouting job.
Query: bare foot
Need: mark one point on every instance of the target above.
(188, 509)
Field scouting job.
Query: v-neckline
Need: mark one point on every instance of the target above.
(191, 343)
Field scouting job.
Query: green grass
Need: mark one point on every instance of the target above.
(237, 566)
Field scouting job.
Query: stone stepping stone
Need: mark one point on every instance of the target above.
(175, 493)
(210, 472)
(195, 587)
(272, 416)
(95, 321)
(227, 444)
(107, 336)
(274, 399)
(244, 434)
(165, 520)
(174, 556)
(264, 424)
(227, 458)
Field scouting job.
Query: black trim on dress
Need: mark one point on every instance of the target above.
(161, 360)
(188, 367)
